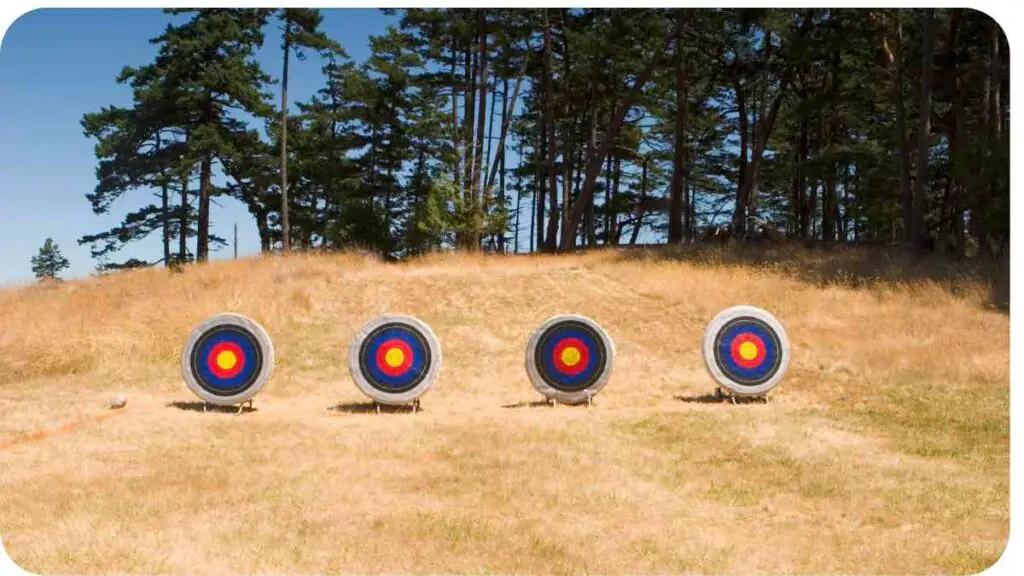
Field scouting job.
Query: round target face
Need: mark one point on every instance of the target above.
(746, 350)
(569, 358)
(395, 359)
(227, 359)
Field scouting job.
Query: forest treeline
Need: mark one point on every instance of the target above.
(553, 129)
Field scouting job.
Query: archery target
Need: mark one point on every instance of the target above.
(395, 359)
(227, 359)
(569, 358)
(746, 349)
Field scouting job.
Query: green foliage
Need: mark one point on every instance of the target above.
(48, 263)
(787, 118)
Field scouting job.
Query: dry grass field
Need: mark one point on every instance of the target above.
(884, 450)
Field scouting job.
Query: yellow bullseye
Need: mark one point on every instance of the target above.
(748, 350)
(571, 356)
(226, 360)
(394, 357)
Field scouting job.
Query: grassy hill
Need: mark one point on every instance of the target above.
(884, 450)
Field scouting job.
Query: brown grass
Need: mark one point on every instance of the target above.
(885, 450)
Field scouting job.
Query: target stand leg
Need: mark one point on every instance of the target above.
(718, 393)
(553, 402)
(590, 400)
(206, 407)
(415, 405)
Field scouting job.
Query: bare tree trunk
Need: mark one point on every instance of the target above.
(519, 197)
(675, 206)
(456, 139)
(285, 228)
(549, 121)
(183, 228)
(616, 232)
(612, 132)
(541, 195)
(917, 228)
(799, 178)
(641, 203)
(607, 183)
(203, 236)
(479, 200)
(591, 150)
(501, 159)
(165, 213)
(568, 234)
(906, 198)
(469, 111)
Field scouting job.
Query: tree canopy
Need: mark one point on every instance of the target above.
(554, 129)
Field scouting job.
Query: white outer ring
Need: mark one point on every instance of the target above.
(568, 397)
(262, 339)
(409, 395)
(708, 349)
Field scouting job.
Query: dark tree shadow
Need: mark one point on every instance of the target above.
(543, 404)
(201, 407)
(525, 404)
(724, 399)
(848, 266)
(371, 408)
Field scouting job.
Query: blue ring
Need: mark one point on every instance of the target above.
(772, 352)
(411, 377)
(245, 377)
(596, 354)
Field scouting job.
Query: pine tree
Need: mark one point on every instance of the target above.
(48, 263)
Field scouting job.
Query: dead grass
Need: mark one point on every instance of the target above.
(884, 451)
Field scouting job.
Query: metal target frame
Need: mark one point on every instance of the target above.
(426, 378)
(723, 322)
(569, 396)
(198, 338)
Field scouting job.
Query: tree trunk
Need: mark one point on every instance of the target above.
(165, 212)
(549, 121)
(687, 203)
(958, 140)
(906, 198)
(918, 231)
(607, 221)
(640, 205)
(542, 188)
(799, 178)
(675, 206)
(183, 229)
(519, 198)
(286, 243)
(501, 159)
(591, 150)
(568, 234)
(616, 180)
(478, 159)
(507, 120)
(740, 206)
(203, 236)
(456, 139)
(469, 111)
(263, 230)
(612, 132)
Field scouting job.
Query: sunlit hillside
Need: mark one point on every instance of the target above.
(885, 449)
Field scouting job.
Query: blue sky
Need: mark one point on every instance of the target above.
(56, 65)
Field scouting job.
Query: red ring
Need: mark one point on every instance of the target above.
(227, 346)
(584, 356)
(734, 350)
(402, 368)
